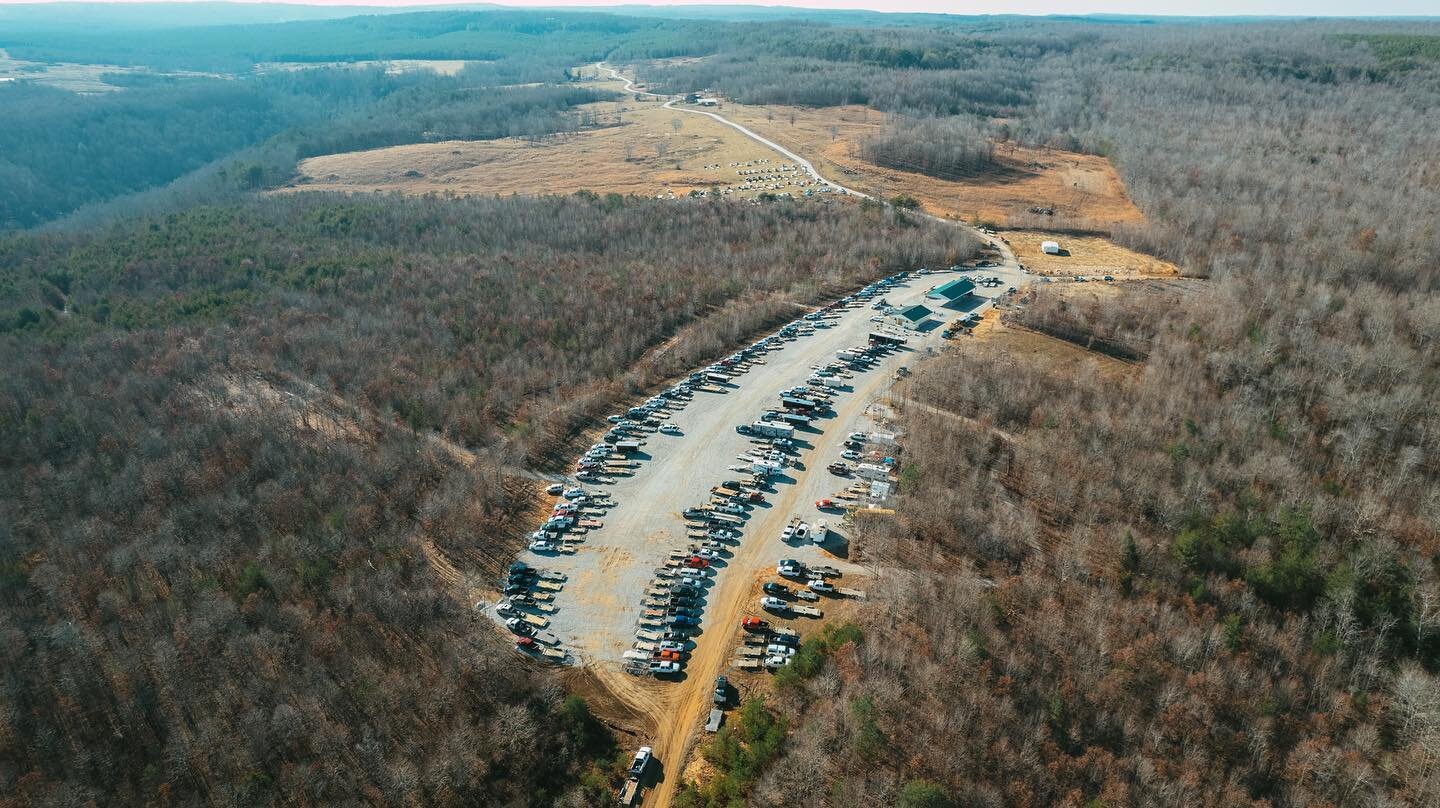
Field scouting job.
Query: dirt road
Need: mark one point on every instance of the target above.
(606, 579)
(1008, 255)
(677, 477)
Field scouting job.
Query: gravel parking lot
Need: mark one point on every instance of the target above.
(601, 600)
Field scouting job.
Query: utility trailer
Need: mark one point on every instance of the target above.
(535, 620)
(746, 664)
(727, 490)
(727, 518)
(637, 655)
(652, 636)
(824, 571)
(808, 611)
(550, 585)
(551, 575)
(749, 652)
(650, 622)
(858, 594)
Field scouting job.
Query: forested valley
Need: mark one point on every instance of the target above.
(1211, 578)
(247, 102)
(238, 440)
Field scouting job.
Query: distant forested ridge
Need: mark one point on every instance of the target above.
(497, 35)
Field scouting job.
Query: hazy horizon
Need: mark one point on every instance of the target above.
(1223, 8)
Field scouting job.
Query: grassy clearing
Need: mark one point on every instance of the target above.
(1084, 190)
(1087, 255)
(638, 148)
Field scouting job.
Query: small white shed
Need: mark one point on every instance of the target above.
(1050, 247)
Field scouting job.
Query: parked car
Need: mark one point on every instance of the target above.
(695, 562)
(722, 690)
(670, 429)
(774, 604)
(777, 661)
(802, 531)
(821, 585)
(664, 667)
(554, 489)
(858, 436)
(730, 508)
(754, 624)
(792, 571)
(778, 590)
(776, 649)
(672, 645)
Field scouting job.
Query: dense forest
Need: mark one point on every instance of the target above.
(1210, 578)
(948, 148)
(244, 439)
(238, 440)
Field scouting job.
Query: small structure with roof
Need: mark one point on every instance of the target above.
(914, 317)
(956, 290)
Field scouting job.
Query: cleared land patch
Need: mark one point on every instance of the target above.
(640, 149)
(1084, 190)
(1084, 255)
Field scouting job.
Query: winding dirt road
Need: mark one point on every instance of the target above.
(674, 712)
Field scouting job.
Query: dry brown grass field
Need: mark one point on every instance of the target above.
(646, 151)
(1086, 255)
(1084, 189)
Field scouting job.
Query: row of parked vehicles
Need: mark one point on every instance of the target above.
(674, 601)
(527, 595)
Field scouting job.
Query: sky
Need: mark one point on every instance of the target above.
(1306, 8)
